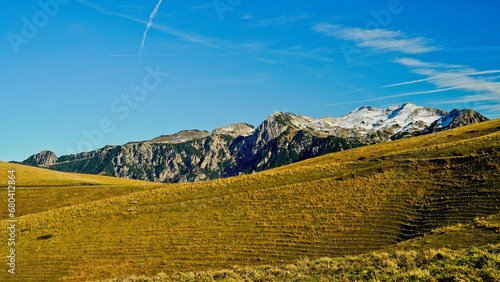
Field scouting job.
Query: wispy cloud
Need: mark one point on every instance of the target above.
(469, 72)
(459, 77)
(230, 48)
(388, 97)
(379, 39)
(444, 75)
(191, 37)
(281, 20)
(148, 26)
(410, 62)
(447, 77)
(245, 49)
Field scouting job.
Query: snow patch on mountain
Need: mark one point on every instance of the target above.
(408, 117)
(394, 118)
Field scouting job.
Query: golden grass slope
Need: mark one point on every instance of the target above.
(464, 252)
(40, 189)
(473, 264)
(346, 203)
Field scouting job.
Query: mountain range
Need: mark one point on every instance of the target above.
(283, 138)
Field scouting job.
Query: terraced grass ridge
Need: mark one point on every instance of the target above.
(472, 264)
(76, 227)
(411, 260)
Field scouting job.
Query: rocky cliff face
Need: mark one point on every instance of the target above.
(42, 159)
(235, 130)
(283, 138)
(189, 161)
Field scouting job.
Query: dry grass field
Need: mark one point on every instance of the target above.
(464, 252)
(40, 190)
(392, 195)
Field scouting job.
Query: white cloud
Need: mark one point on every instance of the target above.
(379, 39)
(445, 77)
(432, 72)
(148, 26)
(410, 62)
(387, 97)
(458, 77)
(162, 28)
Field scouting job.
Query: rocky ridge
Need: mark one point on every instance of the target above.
(283, 138)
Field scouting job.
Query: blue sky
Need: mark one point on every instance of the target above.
(76, 78)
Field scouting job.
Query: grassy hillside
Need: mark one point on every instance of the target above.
(472, 253)
(472, 264)
(41, 190)
(479, 232)
(346, 203)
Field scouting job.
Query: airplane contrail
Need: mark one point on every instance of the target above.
(150, 23)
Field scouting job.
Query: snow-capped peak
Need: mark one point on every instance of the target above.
(395, 118)
(366, 119)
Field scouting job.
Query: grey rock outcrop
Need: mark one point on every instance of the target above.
(43, 159)
(283, 138)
